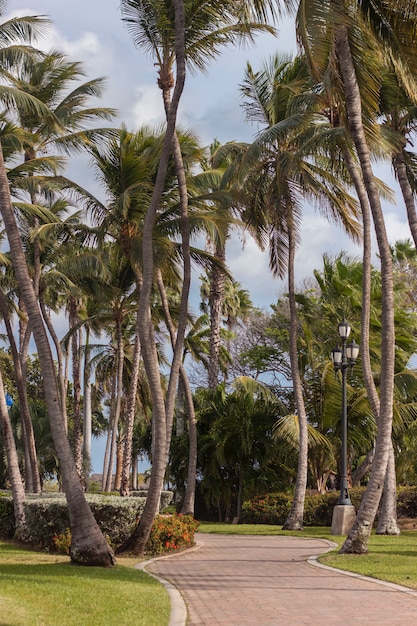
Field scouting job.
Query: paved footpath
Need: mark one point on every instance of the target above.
(233, 580)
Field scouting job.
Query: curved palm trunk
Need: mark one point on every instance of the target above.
(178, 345)
(33, 481)
(188, 504)
(189, 498)
(294, 520)
(87, 411)
(387, 521)
(60, 359)
(18, 491)
(407, 192)
(115, 418)
(88, 545)
(363, 468)
(138, 540)
(76, 381)
(106, 459)
(357, 540)
(130, 414)
(217, 283)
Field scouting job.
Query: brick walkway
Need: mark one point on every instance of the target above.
(236, 580)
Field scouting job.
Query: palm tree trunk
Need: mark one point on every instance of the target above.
(178, 345)
(130, 412)
(18, 491)
(88, 546)
(119, 463)
(357, 540)
(87, 411)
(188, 504)
(32, 477)
(57, 344)
(363, 468)
(116, 405)
(294, 520)
(140, 535)
(76, 382)
(217, 283)
(387, 517)
(387, 523)
(407, 192)
(189, 498)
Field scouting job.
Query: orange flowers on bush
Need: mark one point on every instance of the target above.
(170, 533)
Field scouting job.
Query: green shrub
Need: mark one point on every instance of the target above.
(273, 508)
(46, 516)
(407, 502)
(7, 527)
(171, 532)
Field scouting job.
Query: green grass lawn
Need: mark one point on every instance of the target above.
(40, 589)
(389, 558)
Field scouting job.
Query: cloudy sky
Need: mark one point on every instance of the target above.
(91, 31)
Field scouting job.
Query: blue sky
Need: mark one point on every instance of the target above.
(91, 31)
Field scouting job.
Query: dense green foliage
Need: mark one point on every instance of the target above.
(273, 508)
(47, 517)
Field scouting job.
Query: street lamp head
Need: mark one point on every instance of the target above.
(352, 352)
(344, 329)
(337, 354)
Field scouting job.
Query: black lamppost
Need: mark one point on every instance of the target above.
(344, 358)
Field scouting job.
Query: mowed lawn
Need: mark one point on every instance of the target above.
(46, 590)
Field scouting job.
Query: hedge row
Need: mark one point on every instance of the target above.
(318, 510)
(46, 516)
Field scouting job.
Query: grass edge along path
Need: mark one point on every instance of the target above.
(390, 558)
(43, 589)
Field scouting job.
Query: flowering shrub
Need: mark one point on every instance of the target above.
(62, 542)
(171, 532)
(271, 508)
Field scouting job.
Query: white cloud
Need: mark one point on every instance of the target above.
(147, 108)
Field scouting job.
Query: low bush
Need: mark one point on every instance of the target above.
(407, 502)
(170, 533)
(7, 527)
(46, 516)
(273, 508)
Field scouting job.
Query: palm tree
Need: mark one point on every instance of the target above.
(239, 438)
(181, 33)
(334, 34)
(88, 544)
(279, 172)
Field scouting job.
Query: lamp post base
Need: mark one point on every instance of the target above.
(344, 516)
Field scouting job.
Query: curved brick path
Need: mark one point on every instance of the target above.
(236, 580)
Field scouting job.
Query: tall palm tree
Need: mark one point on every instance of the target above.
(279, 172)
(88, 544)
(334, 35)
(181, 33)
